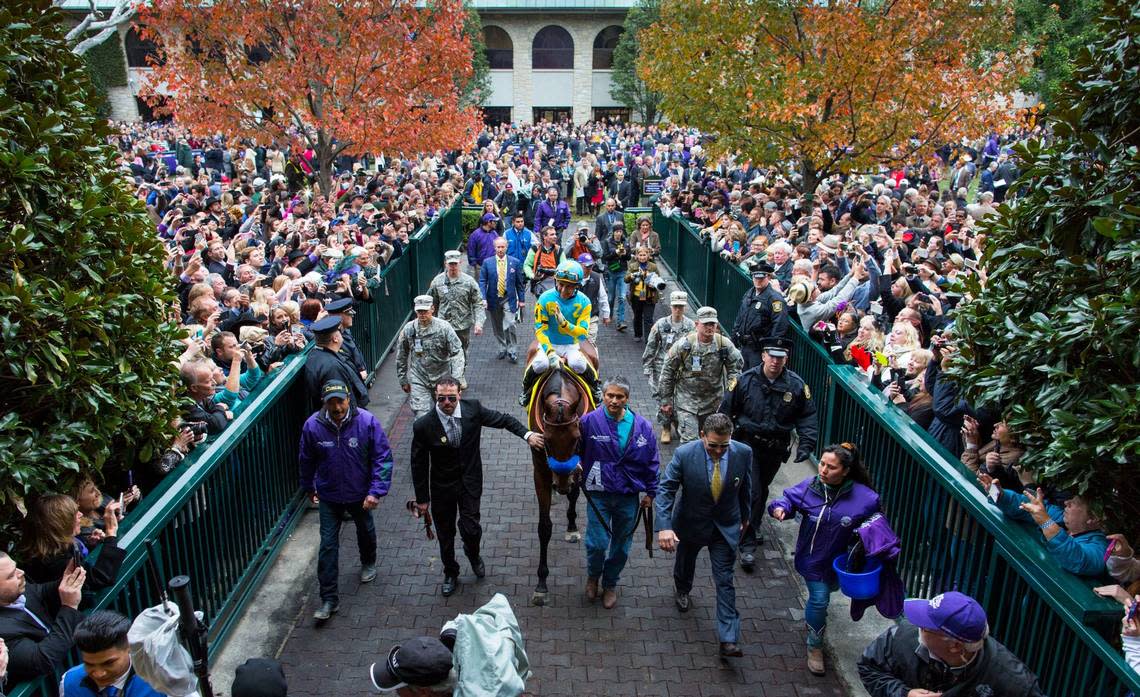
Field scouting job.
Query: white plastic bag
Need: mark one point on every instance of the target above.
(158, 655)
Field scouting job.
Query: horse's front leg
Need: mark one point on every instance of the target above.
(572, 534)
(542, 489)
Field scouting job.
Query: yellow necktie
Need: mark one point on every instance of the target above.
(717, 484)
(502, 277)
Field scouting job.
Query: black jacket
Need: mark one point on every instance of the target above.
(323, 365)
(439, 469)
(32, 652)
(100, 574)
(892, 665)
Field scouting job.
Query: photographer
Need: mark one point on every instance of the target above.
(615, 258)
(950, 410)
(908, 392)
(583, 242)
(229, 356)
(644, 287)
(541, 262)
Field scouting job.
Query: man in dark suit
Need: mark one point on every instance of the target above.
(37, 620)
(504, 292)
(621, 189)
(447, 471)
(716, 476)
(605, 222)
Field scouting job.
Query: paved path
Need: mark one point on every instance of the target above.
(642, 647)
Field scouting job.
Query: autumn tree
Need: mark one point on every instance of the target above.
(836, 85)
(350, 77)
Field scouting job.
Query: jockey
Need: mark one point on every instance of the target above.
(561, 321)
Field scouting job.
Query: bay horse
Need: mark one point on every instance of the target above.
(560, 402)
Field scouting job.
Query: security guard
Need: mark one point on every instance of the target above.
(767, 403)
(326, 362)
(457, 299)
(665, 332)
(426, 350)
(763, 313)
(343, 309)
(697, 371)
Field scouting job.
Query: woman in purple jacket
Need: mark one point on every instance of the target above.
(619, 461)
(833, 504)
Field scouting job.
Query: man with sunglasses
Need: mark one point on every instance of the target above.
(447, 471)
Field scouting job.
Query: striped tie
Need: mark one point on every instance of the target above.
(502, 277)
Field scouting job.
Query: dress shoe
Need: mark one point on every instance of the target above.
(729, 649)
(368, 573)
(609, 598)
(682, 601)
(513, 358)
(622, 326)
(502, 354)
(450, 583)
(666, 435)
(637, 339)
(479, 568)
(815, 662)
(748, 562)
(591, 589)
(326, 610)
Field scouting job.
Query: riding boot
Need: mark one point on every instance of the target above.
(529, 378)
(590, 377)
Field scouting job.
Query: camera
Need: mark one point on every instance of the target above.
(581, 235)
(198, 428)
(656, 281)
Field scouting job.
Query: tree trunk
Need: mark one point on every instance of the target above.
(324, 163)
(811, 180)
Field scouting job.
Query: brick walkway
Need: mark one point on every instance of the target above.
(642, 647)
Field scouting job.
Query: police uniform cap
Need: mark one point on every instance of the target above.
(762, 269)
(706, 314)
(678, 297)
(451, 256)
(423, 302)
(325, 325)
(777, 347)
(339, 305)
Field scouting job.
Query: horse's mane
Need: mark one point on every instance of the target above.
(553, 384)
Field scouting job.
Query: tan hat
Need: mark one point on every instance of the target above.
(706, 314)
(829, 244)
(452, 256)
(679, 297)
(798, 292)
(422, 302)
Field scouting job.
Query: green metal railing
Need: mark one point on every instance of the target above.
(222, 516)
(952, 538)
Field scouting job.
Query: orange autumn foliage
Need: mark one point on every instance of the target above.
(351, 77)
(837, 85)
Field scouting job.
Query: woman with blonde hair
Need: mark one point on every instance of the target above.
(50, 543)
(868, 338)
(902, 340)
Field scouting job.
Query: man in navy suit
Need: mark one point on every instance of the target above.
(716, 476)
(504, 292)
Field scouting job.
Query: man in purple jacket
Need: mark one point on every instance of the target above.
(481, 243)
(552, 212)
(619, 461)
(346, 466)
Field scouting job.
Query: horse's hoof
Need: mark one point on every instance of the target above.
(538, 599)
(573, 536)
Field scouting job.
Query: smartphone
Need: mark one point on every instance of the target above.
(76, 555)
(995, 492)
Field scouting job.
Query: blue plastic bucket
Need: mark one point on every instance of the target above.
(862, 586)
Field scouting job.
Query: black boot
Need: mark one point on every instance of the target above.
(591, 379)
(530, 376)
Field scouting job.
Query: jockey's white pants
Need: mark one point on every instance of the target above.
(570, 352)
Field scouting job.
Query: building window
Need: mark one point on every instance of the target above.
(604, 45)
(612, 114)
(139, 49)
(496, 115)
(553, 49)
(499, 48)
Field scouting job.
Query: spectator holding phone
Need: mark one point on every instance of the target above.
(51, 544)
(93, 505)
(997, 458)
(37, 620)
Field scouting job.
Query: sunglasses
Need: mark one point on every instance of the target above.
(444, 398)
(716, 446)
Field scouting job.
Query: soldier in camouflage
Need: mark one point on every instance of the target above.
(666, 332)
(697, 371)
(426, 350)
(458, 300)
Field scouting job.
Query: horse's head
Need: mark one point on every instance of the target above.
(561, 433)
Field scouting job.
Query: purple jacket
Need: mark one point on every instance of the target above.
(630, 471)
(346, 464)
(559, 213)
(480, 246)
(829, 522)
(883, 544)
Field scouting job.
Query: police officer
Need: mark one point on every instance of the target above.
(763, 313)
(343, 309)
(664, 333)
(426, 350)
(697, 371)
(594, 287)
(326, 362)
(457, 299)
(767, 403)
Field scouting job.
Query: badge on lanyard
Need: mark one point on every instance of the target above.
(418, 346)
(696, 363)
(444, 288)
(758, 304)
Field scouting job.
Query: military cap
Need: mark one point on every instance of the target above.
(678, 297)
(706, 314)
(452, 256)
(423, 302)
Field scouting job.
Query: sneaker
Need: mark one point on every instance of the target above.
(622, 326)
(326, 610)
(368, 573)
(666, 435)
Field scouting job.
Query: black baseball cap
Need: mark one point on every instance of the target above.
(421, 662)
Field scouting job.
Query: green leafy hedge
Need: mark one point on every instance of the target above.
(1055, 334)
(87, 376)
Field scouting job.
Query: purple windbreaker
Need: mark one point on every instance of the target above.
(628, 472)
(480, 246)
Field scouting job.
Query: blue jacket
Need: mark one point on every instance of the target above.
(829, 522)
(75, 683)
(1083, 554)
(692, 513)
(346, 464)
(519, 242)
(630, 471)
(489, 282)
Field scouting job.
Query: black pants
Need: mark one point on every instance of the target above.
(444, 509)
(642, 316)
(766, 461)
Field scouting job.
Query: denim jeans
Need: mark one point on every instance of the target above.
(615, 289)
(605, 556)
(815, 612)
(328, 558)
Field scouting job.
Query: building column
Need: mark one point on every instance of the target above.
(522, 36)
(583, 96)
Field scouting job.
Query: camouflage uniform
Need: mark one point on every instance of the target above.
(694, 378)
(423, 356)
(661, 338)
(459, 302)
